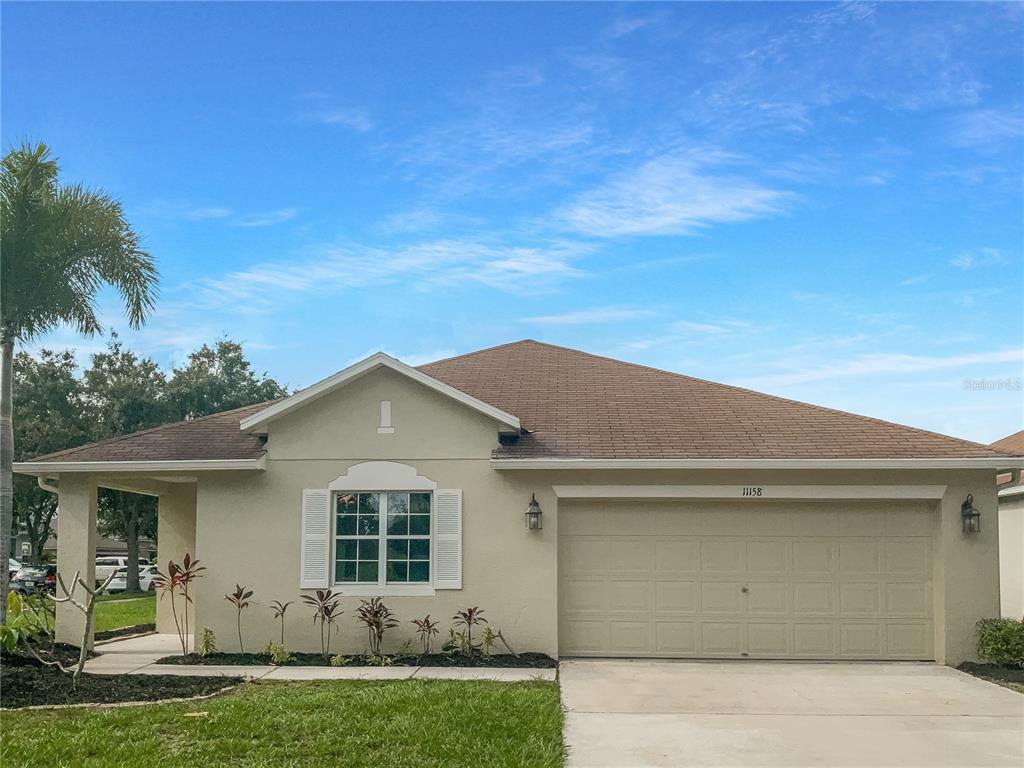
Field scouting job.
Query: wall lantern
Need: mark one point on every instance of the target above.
(970, 516)
(533, 515)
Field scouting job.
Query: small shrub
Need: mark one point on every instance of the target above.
(240, 599)
(279, 609)
(456, 643)
(377, 619)
(487, 641)
(1001, 641)
(326, 609)
(176, 582)
(207, 642)
(426, 629)
(339, 660)
(378, 660)
(278, 654)
(468, 619)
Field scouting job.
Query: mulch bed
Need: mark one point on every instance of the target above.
(532, 660)
(24, 682)
(137, 629)
(996, 672)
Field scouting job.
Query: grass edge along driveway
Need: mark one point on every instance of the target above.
(377, 724)
(116, 612)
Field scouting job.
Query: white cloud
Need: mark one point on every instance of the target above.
(670, 195)
(878, 364)
(591, 316)
(353, 118)
(719, 328)
(437, 263)
(979, 257)
(985, 127)
(203, 214)
(266, 218)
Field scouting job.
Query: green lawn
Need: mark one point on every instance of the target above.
(377, 724)
(124, 612)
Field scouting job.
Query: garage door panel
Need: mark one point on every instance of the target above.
(676, 555)
(626, 595)
(722, 638)
(677, 638)
(904, 557)
(813, 597)
(765, 597)
(860, 599)
(814, 639)
(861, 639)
(704, 579)
(768, 557)
(722, 597)
(764, 639)
(629, 637)
(676, 596)
(722, 555)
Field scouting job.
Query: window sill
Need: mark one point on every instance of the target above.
(347, 589)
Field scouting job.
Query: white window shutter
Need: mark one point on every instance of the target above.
(448, 539)
(316, 526)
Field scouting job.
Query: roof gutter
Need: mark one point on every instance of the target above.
(48, 468)
(995, 462)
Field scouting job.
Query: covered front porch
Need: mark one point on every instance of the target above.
(77, 535)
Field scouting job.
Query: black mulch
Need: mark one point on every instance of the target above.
(533, 660)
(24, 682)
(136, 629)
(1000, 672)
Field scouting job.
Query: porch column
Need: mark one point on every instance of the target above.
(176, 536)
(76, 551)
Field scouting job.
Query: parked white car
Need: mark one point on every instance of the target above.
(120, 581)
(107, 565)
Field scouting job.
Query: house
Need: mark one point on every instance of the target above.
(1010, 489)
(672, 517)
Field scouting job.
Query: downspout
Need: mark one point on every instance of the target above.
(46, 486)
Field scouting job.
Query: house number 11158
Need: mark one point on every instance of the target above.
(752, 490)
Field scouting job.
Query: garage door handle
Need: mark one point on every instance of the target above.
(744, 589)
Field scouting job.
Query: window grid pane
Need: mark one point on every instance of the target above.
(357, 535)
(406, 538)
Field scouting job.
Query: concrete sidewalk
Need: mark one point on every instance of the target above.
(138, 656)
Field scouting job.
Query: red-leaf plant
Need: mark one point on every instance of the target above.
(177, 580)
(426, 629)
(326, 608)
(469, 618)
(378, 618)
(240, 599)
(279, 609)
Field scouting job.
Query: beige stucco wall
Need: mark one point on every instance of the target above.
(1011, 556)
(76, 552)
(176, 537)
(248, 524)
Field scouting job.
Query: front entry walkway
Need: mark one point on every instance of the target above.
(138, 655)
(642, 714)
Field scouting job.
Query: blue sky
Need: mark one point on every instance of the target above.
(818, 201)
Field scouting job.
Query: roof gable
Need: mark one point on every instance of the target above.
(257, 422)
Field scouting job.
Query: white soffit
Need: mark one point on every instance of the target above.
(507, 422)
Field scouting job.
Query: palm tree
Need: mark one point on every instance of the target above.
(58, 246)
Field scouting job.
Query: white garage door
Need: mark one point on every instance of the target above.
(801, 580)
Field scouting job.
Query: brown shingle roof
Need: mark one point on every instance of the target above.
(1012, 444)
(578, 405)
(208, 437)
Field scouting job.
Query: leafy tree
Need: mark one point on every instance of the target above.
(49, 416)
(216, 379)
(60, 244)
(125, 393)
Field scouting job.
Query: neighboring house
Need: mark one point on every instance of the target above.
(105, 547)
(680, 518)
(1010, 488)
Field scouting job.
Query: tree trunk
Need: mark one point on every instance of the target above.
(6, 460)
(132, 538)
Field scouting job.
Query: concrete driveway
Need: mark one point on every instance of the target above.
(627, 714)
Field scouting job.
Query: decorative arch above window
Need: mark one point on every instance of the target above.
(382, 476)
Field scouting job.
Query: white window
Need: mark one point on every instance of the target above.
(382, 538)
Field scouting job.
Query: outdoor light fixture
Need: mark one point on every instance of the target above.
(970, 516)
(533, 515)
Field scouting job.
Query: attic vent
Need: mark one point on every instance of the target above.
(386, 427)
